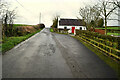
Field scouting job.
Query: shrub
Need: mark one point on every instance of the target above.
(105, 39)
(115, 45)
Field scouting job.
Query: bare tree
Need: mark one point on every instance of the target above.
(95, 15)
(107, 9)
(3, 16)
(85, 14)
(117, 3)
(7, 17)
(11, 17)
(117, 11)
(90, 14)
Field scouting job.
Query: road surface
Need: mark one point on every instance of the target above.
(51, 55)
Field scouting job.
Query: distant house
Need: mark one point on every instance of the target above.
(71, 24)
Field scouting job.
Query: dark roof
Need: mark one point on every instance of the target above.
(71, 22)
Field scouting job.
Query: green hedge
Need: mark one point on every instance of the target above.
(10, 42)
(105, 39)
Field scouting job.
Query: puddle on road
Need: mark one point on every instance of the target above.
(52, 48)
(46, 50)
(45, 33)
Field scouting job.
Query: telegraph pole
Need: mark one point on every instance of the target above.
(40, 18)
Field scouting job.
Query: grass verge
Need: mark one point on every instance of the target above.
(51, 30)
(62, 33)
(10, 42)
(113, 64)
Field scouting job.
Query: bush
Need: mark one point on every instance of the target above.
(91, 35)
(105, 39)
(115, 45)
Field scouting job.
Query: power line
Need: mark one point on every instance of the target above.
(23, 6)
(19, 3)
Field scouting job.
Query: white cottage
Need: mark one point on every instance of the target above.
(71, 24)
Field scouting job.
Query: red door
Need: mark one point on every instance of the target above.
(73, 29)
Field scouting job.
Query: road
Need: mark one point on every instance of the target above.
(51, 55)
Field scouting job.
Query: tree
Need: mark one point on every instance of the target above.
(90, 14)
(117, 12)
(7, 17)
(100, 23)
(106, 9)
(8, 20)
(41, 26)
(85, 14)
(3, 16)
(2, 13)
(95, 12)
(117, 3)
(55, 21)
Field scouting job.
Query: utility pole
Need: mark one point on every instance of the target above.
(40, 18)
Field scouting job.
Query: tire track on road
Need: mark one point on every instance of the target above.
(75, 69)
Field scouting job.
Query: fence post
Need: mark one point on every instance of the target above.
(98, 44)
(110, 50)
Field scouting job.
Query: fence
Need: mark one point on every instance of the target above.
(112, 52)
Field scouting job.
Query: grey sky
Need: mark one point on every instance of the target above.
(48, 8)
(28, 10)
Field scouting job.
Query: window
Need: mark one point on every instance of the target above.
(80, 28)
(65, 27)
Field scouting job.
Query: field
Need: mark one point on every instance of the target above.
(112, 30)
(117, 34)
(15, 25)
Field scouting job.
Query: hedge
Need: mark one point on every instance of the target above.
(105, 39)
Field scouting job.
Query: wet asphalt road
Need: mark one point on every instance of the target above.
(51, 55)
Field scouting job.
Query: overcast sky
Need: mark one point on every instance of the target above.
(28, 10)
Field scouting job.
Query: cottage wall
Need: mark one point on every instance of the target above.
(70, 27)
(65, 24)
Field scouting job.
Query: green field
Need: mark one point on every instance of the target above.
(15, 25)
(110, 28)
(116, 34)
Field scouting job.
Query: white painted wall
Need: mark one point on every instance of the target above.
(70, 27)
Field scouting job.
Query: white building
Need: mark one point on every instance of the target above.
(71, 24)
